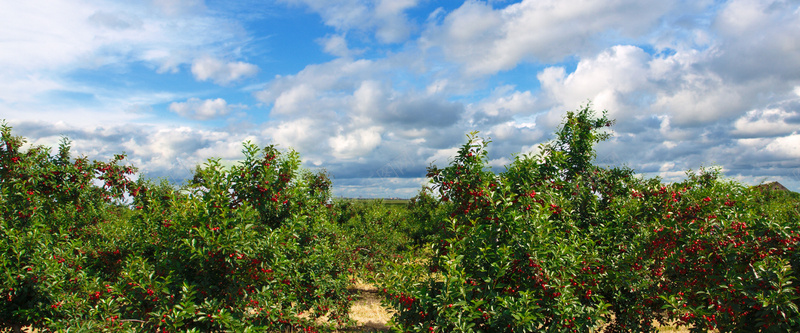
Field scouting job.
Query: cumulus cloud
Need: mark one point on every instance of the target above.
(378, 103)
(676, 111)
(758, 39)
(195, 108)
(610, 80)
(306, 135)
(671, 106)
(337, 45)
(787, 147)
(294, 100)
(700, 100)
(690, 83)
(421, 112)
(337, 75)
(487, 40)
(392, 24)
(355, 143)
(347, 116)
(505, 102)
(52, 38)
(386, 18)
(767, 123)
(633, 84)
(208, 68)
(171, 152)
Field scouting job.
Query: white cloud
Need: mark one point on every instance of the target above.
(765, 122)
(515, 103)
(25, 88)
(51, 40)
(505, 104)
(116, 20)
(157, 150)
(208, 68)
(738, 17)
(487, 40)
(689, 82)
(306, 135)
(787, 147)
(355, 143)
(467, 35)
(178, 7)
(173, 152)
(442, 157)
(701, 99)
(44, 34)
(368, 101)
(50, 34)
(514, 132)
(195, 108)
(386, 18)
(344, 15)
(633, 84)
(293, 101)
(605, 79)
(348, 111)
(758, 38)
(392, 24)
(664, 71)
(337, 75)
(336, 45)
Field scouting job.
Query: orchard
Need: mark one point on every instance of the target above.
(557, 244)
(553, 243)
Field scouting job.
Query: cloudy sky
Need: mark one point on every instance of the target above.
(374, 91)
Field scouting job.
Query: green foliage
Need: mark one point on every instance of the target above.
(424, 211)
(714, 255)
(509, 258)
(51, 212)
(372, 234)
(246, 248)
(555, 243)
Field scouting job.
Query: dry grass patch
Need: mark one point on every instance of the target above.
(367, 310)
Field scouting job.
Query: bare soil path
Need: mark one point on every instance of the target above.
(367, 310)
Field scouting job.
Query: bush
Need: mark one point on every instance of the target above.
(423, 209)
(714, 255)
(552, 243)
(372, 235)
(247, 248)
(555, 243)
(510, 258)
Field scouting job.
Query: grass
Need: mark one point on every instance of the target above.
(395, 202)
(385, 202)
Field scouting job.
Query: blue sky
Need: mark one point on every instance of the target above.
(376, 91)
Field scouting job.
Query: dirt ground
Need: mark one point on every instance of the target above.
(367, 310)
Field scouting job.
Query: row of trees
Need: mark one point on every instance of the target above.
(253, 247)
(552, 243)
(555, 243)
